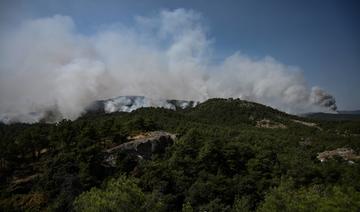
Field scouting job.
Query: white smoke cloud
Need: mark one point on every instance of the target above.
(46, 63)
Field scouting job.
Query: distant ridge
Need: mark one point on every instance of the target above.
(340, 116)
(117, 104)
(353, 112)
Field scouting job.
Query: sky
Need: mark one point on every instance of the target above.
(321, 38)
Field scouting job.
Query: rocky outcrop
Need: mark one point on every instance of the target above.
(345, 153)
(266, 123)
(143, 146)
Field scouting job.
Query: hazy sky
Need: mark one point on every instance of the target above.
(320, 37)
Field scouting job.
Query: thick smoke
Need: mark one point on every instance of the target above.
(320, 97)
(128, 104)
(131, 103)
(46, 63)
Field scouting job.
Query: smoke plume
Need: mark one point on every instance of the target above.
(46, 63)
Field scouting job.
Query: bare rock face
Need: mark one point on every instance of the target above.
(266, 123)
(143, 146)
(345, 153)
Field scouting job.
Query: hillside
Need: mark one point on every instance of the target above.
(222, 155)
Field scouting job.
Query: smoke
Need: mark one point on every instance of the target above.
(131, 103)
(320, 97)
(46, 63)
(128, 104)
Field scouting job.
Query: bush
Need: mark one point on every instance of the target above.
(120, 194)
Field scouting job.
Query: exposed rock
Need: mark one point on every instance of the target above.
(266, 123)
(143, 146)
(345, 153)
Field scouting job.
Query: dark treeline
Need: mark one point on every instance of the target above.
(222, 160)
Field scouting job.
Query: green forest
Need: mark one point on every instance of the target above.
(228, 155)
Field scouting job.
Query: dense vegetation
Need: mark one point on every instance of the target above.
(222, 160)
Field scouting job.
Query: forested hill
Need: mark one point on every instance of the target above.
(222, 155)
